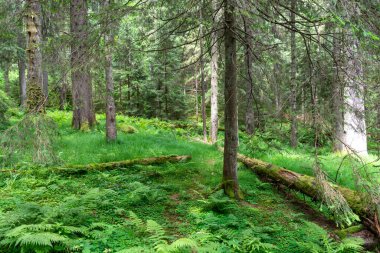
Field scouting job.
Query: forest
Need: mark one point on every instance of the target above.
(189, 126)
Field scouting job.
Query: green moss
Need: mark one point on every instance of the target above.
(343, 233)
(127, 129)
(35, 98)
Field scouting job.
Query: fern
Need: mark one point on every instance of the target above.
(328, 245)
(45, 239)
(157, 233)
(183, 243)
(135, 221)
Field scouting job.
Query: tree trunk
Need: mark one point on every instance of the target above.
(44, 33)
(83, 111)
(249, 113)
(6, 80)
(307, 185)
(214, 74)
(354, 116)
(293, 77)
(111, 132)
(35, 97)
(196, 95)
(338, 145)
(203, 83)
(277, 78)
(22, 81)
(45, 82)
(22, 76)
(63, 93)
(230, 180)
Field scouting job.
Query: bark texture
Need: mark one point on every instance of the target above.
(230, 179)
(214, 72)
(307, 185)
(293, 77)
(83, 111)
(111, 132)
(35, 97)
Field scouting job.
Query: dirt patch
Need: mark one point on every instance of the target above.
(175, 198)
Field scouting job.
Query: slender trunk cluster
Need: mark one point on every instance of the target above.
(83, 111)
(35, 97)
(230, 180)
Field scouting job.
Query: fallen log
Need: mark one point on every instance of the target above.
(83, 169)
(307, 185)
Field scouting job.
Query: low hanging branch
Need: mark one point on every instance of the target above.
(307, 185)
(84, 169)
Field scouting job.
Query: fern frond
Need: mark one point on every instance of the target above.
(45, 239)
(352, 245)
(136, 221)
(156, 231)
(183, 243)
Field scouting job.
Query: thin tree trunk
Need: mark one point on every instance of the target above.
(6, 80)
(338, 105)
(196, 95)
(249, 113)
(293, 77)
(277, 75)
(111, 132)
(214, 74)
(44, 33)
(230, 179)
(203, 83)
(83, 109)
(22, 80)
(45, 81)
(35, 97)
(22, 70)
(63, 93)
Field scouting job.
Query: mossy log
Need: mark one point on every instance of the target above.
(307, 185)
(84, 169)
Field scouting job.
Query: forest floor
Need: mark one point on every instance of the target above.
(147, 208)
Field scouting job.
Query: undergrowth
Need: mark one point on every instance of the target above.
(168, 208)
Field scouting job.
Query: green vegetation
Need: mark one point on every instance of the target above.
(170, 208)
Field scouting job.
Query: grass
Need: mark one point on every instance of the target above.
(92, 213)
